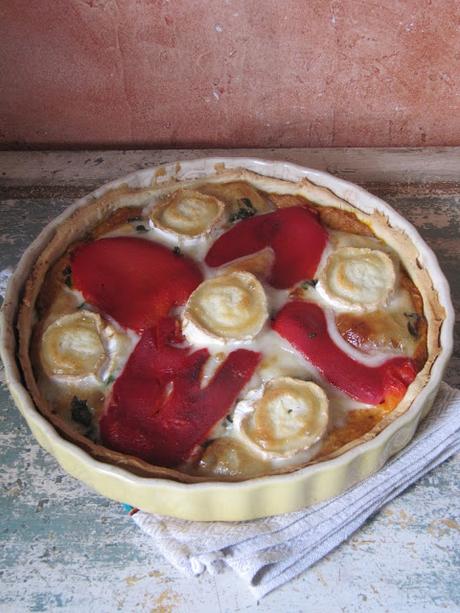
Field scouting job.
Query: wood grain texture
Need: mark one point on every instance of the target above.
(64, 547)
(362, 165)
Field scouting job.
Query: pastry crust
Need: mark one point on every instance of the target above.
(83, 223)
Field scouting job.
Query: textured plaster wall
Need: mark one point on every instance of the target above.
(229, 73)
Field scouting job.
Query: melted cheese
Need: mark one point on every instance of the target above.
(285, 417)
(237, 195)
(82, 345)
(73, 346)
(232, 307)
(229, 458)
(357, 279)
(187, 213)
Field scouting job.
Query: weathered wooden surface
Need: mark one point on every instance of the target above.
(65, 547)
(88, 169)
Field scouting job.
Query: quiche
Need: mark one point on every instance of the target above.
(225, 327)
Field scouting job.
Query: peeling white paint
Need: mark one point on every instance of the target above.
(5, 275)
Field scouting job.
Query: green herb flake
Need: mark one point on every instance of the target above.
(412, 324)
(309, 283)
(91, 433)
(80, 411)
(229, 418)
(67, 272)
(110, 379)
(290, 411)
(246, 210)
(82, 306)
(177, 251)
(412, 329)
(142, 228)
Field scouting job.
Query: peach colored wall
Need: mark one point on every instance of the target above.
(229, 73)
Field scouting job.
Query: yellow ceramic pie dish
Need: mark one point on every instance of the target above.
(207, 500)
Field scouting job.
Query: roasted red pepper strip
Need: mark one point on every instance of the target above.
(158, 411)
(304, 325)
(295, 235)
(133, 280)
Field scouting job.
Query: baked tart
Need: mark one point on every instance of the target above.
(226, 326)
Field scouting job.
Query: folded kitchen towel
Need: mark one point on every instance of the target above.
(268, 552)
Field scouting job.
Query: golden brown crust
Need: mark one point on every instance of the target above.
(234, 194)
(372, 329)
(86, 218)
(418, 324)
(358, 423)
(259, 264)
(52, 285)
(335, 219)
(124, 215)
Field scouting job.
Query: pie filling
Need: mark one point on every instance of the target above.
(227, 332)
